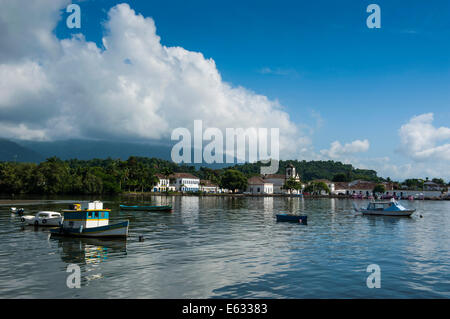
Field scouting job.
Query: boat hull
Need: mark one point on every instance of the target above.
(388, 213)
(48, 222)
(119, 230)
(146, 208)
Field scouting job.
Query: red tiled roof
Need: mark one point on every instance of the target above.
(256, 180)
(208, 183)
(183, 175)
(276, 176)
(340, 185)
(326, 181)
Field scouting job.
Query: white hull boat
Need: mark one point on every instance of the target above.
(392, 208)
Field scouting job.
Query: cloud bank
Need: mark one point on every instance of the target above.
(421, 141)
(134, 88)
(338, 151)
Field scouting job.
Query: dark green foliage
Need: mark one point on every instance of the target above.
(341, 177)
(233, 179)
(137, 174)
(414, 183)
(379, 188)
(79, 177)
(292, 184)
(316, 188)
(309, 171)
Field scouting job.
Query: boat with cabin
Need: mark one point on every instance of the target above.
(391, 208)
(161, 208)
(90, 220)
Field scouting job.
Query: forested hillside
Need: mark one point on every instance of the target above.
(109, 176)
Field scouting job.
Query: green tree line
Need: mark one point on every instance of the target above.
(138, 174)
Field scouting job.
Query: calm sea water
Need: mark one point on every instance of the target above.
(221, 247)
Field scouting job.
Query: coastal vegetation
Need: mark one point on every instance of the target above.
(233, 179)
(379, 188)
(291, 185)
(316, 188)
(138, 174)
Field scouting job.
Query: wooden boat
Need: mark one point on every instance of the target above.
(292, 218)
(391, 208)
(90, 220)
(147, 208)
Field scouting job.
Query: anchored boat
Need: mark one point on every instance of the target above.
(147, 208)
(45, 218)
(391, 208)
(90, 220)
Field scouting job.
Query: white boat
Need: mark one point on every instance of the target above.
(90, 220)
(44, 218)
(391, 208)
(13, 209)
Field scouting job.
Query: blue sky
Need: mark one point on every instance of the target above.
(332, 74)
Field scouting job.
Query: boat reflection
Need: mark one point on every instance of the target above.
(90, 250)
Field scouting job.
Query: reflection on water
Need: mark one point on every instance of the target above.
(89, 250)
(233, 247)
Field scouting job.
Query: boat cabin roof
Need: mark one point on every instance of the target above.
(47, 213)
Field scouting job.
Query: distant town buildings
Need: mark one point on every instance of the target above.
(275, 184)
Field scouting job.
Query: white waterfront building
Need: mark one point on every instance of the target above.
(256, 185)
(163, 184)
(185, 182)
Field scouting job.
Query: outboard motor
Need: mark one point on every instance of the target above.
(303, 220)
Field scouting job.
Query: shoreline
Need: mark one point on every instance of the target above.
(263, 195)
(16, 201)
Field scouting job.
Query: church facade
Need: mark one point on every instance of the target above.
(278, 180)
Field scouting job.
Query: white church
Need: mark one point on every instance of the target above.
(278, 180)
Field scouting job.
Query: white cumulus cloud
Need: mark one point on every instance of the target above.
(421, 141)
(134, 88)
(338, 151)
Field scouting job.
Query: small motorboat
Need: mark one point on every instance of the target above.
(147, 208)
(391, 208)
(90, 220)
(13, 209)
(292, 218)
(44, 218)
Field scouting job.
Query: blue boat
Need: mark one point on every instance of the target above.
(90, 220)
(292, 218)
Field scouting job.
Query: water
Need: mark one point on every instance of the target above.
(223, 247)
